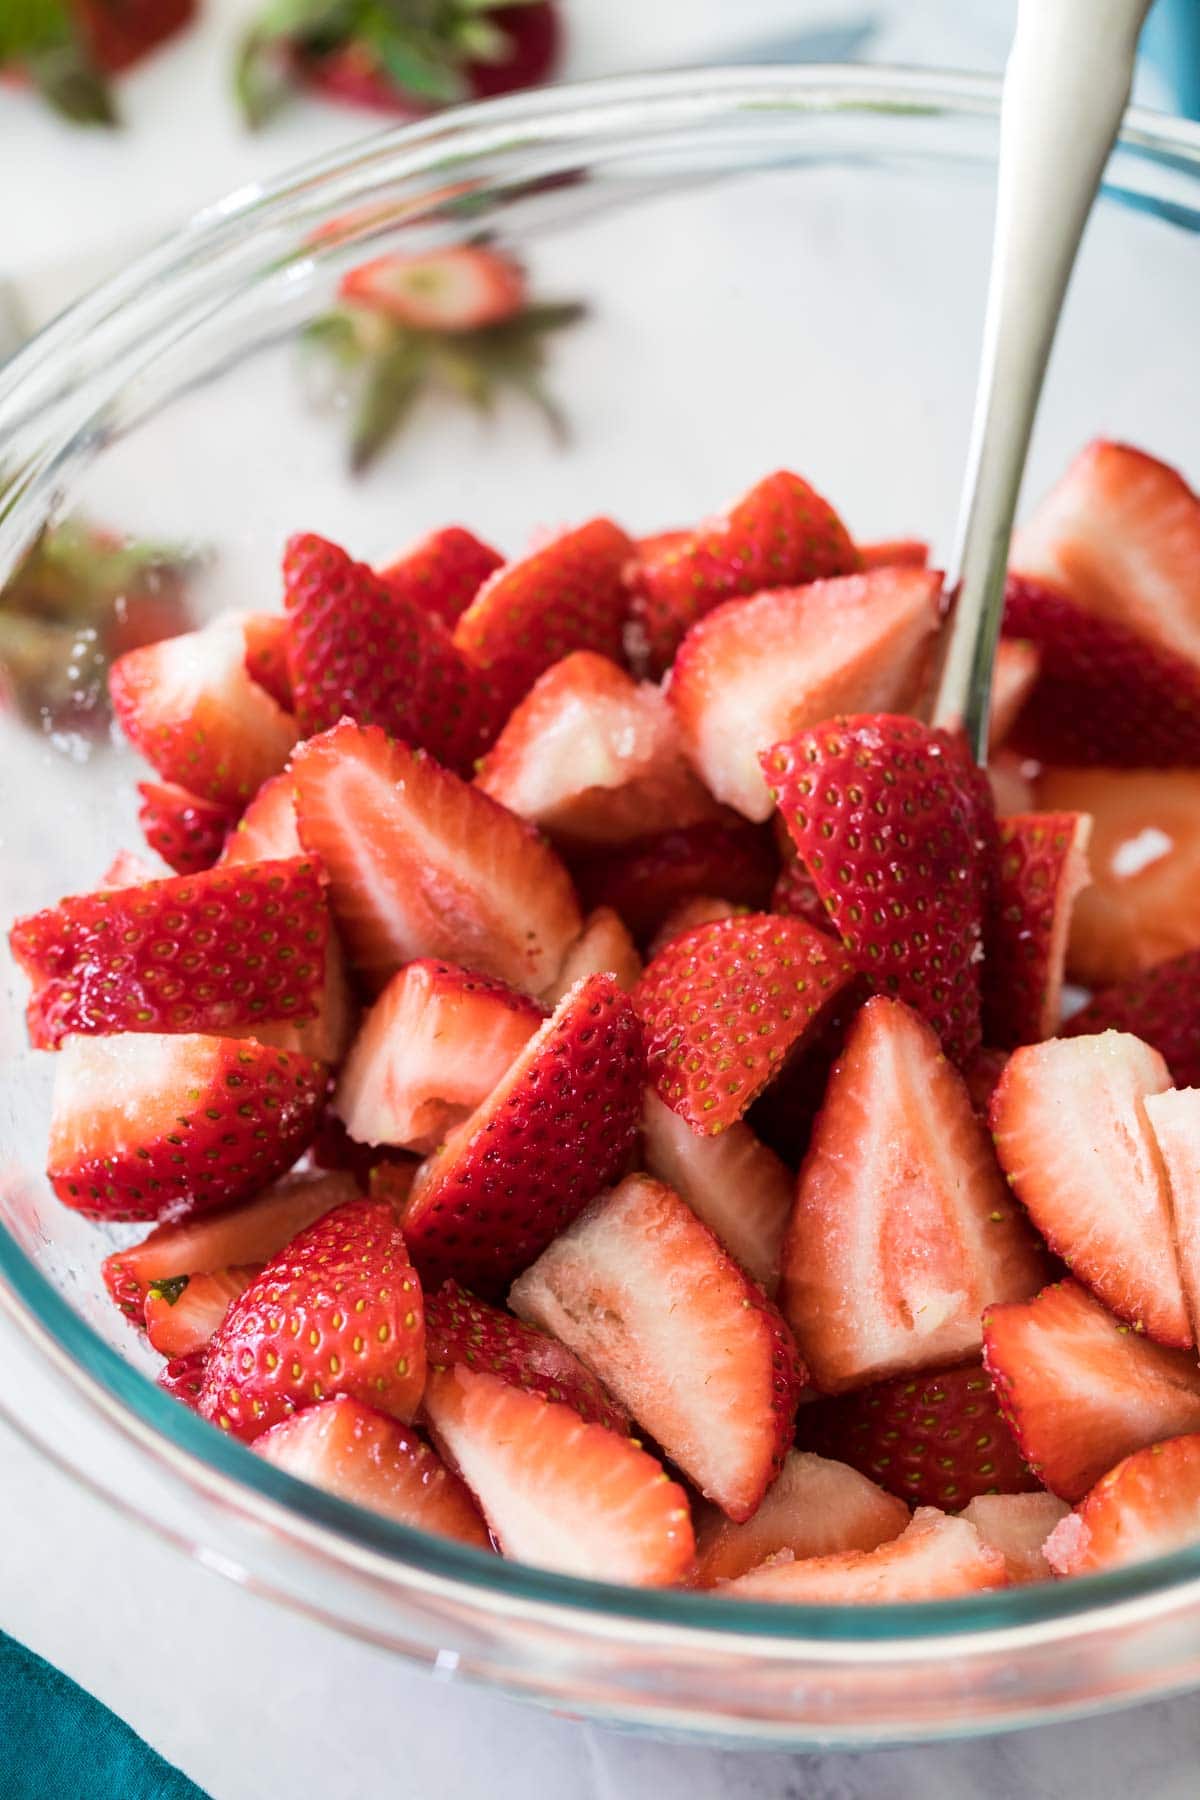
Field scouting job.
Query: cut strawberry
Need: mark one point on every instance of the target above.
(556, 1492)
(934, 1559)
(903, 1230)
(1161, 1006)
(266, 636)
(701, 909)
(1149, 1505)
(813, 1508)
(560, 1126)
(981, 1075)
(795, 893)
(1174, 1121)
(1079, 1389)
(144, 1126)
(726, 1004)
(593, 757)
(531, 613)
(895, 553)
(740, 1188)
(461, 1329)
(267, 829)
(189, 707)
(187, 832)
(603, 947)
(1017, 1525)
(253, 1233)
(127, 869)
(1009, 780)
(646, 880)
(444, 571)
(758, 671)
(183, 1377)
(886, 815)
(338, 1311)
(366, 649)
(429, 1052)
(644, 1294)
(458, 289)
(1145, 860)
(778, 535)
(1039, 867)
(935, 1440)
(182, 1314)
(1013, 677)
(1069, 1120)
(422, 864)
(220, 952)
(370, 1459)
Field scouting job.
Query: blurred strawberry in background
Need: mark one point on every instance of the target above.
(69, 49)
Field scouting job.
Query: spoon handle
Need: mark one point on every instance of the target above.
(1065, 92)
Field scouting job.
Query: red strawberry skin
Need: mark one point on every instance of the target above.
(886, 815)
(648, 878)
(933, 1439)
(560, 1126)
(187, 832)
(183, 1377)
(1039, 867)
(339, 1311)
(266, 637)
(1161, 1006)
(352, 72)
(367, 649)
(724, 1006)
(119, 35)
(444, 572)
(219, 953)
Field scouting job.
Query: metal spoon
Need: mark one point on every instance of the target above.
(1065, 92)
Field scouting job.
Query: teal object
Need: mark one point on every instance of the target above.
(56, 1741)
(1171, 42)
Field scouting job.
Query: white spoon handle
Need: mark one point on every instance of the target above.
(1065, 92)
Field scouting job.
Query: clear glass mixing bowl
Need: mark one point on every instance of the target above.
(782, 268)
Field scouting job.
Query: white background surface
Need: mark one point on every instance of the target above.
(249, 1701)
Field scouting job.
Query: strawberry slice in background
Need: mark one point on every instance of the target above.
(1144, 854)
(143, 1126)
(1017, 1525)
(935, 1558)
(594, 757)
(431, 1049)
(815, 1507)
(459, 289)
(903, 1230)
(190, 708)
(886, 815)
(337, 1311)
(701, 909)
(187, 832)
(894, 553)
(933, 1439)
(1174, 1121)
(603, 947)
(559, 1127)
(641, 1290)
(757, 671)
(1079, 1389)
(1040, 865)
(182, 1314)
(266, 636)
(367, 649)
(183, 1377)
(362, 1455)
(556, 1492)
(127, 869)
(423, 864)
(221, 952)
(1161, 1006)
(444, 571)
(1070, 1127)
(646, 880)
(779, 534)
(1149, 1505)
(1014, 676)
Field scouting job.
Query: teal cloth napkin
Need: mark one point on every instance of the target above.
(56, 1741)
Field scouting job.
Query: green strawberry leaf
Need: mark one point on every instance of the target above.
(170, 1289)
(392, 388)
(418, 61)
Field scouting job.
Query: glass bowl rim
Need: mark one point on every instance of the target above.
(218, 1466)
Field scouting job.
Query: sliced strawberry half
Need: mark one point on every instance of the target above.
(594, 757)
(1039, 867)
(1071, 1131)
(1149, 1505)
(894, 553)
(641, 1290)
(647, 879)
(935, 1440)
(1014, 675)
(128, 869)
(462, 288)
(603, 947)
(337, 1311)
(1140, 908)
(187, 832)
(887, 817)
(266, 637)
(219, 952)
(367, 649)
(1174, 1121)
(814, 1507)
(560, 1126)
(444, 571)
(740, 1188)
(1161, 1006)
(779, 534)
(422, 864)
(267, 829)
(431, 1049)
(190, 708)
(566, 596)
(559, 1493)
(144, 1126)
(1079, 1389)
(758, 671)
(1017, 1525)
(934, 1559)
(903, 1230)
(182, 1314)
(366, 1457)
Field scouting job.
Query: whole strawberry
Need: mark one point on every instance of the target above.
(69, 48)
